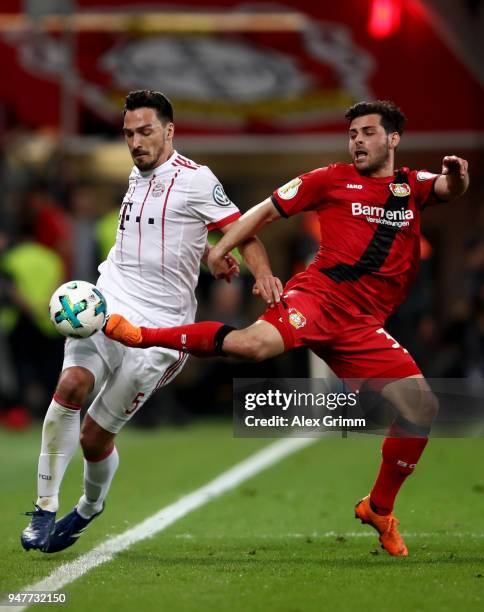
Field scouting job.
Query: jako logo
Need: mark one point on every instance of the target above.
(353, 186)
(379, 212)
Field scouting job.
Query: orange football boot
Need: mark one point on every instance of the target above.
(120, 329)
(386, 525)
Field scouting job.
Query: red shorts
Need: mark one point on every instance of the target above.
(353, 343)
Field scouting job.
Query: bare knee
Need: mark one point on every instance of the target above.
(95, 441)
(414, 400)
(75, 384)
(423, 411)
(429, 406)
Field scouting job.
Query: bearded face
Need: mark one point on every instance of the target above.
(149, 140)
(370, 147)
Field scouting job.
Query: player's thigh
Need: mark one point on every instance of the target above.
(371, 361)
(259, 341)
(141, 373)
(284, 326)
(364, 350)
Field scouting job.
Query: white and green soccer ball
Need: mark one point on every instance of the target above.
(77, 309)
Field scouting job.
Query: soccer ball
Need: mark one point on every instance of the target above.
(77, 309)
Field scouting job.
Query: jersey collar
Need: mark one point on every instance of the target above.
(160, 168)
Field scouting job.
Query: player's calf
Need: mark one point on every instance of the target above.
(60, 437)
(205, 339)
(96, 442)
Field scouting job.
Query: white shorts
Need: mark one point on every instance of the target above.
(124, 377)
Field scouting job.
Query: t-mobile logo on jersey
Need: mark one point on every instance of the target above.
(378, 214)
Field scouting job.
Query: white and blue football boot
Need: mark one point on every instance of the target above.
(37, 535)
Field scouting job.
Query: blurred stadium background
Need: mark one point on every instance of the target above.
(259, 91)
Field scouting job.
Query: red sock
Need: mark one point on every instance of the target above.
(400, 456)
(202, 339)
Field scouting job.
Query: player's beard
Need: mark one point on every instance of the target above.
(379, 160)
(152, 161)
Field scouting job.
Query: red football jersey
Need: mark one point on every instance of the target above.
(370, 231)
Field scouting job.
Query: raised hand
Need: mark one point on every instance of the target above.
(269, 288)
(453, 165)
(222, 266)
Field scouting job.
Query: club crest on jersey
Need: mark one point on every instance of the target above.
(220, 196)
(400, 190)
(296, 318)
(289, 190)
(158, 189)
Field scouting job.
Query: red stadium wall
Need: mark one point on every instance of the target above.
(246, 83)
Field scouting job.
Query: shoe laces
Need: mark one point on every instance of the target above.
(392, 526)
(37, 515)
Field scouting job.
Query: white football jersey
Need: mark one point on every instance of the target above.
(154, 264)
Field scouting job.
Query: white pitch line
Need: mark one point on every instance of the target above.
(263, 459)
(339, 534)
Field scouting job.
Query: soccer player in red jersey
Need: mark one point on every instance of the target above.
(369, 215)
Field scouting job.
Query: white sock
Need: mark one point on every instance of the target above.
(60, 437)
(97, 480)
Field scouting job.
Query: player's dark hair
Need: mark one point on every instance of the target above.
(392, 118)
(148, 98)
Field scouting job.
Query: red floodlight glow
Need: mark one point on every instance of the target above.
(385, 16)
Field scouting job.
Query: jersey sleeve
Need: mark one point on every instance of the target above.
(207, 200)
(424, 188)
(305, 192)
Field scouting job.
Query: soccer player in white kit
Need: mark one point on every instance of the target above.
(150, 277)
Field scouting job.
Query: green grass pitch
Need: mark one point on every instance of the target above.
(284, 540)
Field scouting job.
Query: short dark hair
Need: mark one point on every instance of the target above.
(148, 98)
(392, 118)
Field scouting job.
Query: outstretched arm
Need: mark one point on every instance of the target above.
(241, 233)
(454, 178)
(267, 286)
(247, 226)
